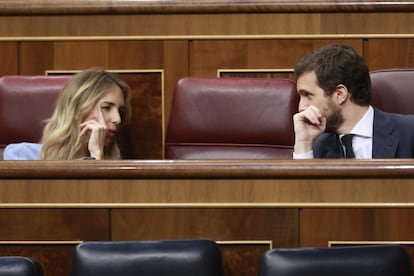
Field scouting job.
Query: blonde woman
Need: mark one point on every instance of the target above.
(91, 108)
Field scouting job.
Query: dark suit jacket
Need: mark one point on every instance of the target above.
(393, 137)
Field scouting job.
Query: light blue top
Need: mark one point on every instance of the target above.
(22, 151)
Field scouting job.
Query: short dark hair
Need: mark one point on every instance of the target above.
(338, 64)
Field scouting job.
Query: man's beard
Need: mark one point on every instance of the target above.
(334, 120)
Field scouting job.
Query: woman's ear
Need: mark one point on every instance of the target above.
(341, 94)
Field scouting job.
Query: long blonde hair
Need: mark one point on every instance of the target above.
(60, 140)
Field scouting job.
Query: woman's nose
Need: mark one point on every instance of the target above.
(115, 117)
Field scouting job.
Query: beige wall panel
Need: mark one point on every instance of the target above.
(276, 224)
(176, 64)
(114, 55)
(390, 53)
(367, 23)
(35, 57)
(53, 224)
(207, 56)
(80, 55)
(8, 57)
(146, 54)
(160, 24)
(208, 24)
(319, 226)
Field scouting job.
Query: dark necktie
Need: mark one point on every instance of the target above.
(347, 141)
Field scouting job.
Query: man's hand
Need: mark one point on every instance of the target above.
(308, 124)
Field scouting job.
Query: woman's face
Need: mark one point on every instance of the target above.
(107, 112)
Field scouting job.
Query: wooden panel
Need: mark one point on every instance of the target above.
(328, 182)
(252, 73)
(176, 65)
(207, 56)
(390, 53)
(35, 57)
(53, 224)
(143, 137)
(319, 226)
(367, 23)
(157, 24)
(203, 6)
(279, 226)
(9, 58)
(242, 259)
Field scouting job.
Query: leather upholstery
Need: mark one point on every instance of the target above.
(19, 266)
(25, 102)
(392, 90)
(373, 260)
(149, 258)
(232, 118)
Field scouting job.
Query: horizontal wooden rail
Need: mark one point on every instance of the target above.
(207, 183)
(207, 169)
(32, 7)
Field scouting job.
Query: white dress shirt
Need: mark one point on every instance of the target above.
(362, 141)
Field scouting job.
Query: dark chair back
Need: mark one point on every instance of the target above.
(232, 118)
(19, 266)
(149, 258)
(373, 260)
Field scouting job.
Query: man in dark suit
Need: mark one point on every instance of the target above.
(335, 118)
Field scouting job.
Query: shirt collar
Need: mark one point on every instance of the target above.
(365, 126)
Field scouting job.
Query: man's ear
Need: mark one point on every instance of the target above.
(341, 94)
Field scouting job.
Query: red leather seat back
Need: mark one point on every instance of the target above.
(392, 90)
(25, 102)
(232, 118)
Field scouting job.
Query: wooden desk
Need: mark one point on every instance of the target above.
(264, 183)
(247, 206)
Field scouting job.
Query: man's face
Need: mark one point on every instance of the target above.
(311, 94)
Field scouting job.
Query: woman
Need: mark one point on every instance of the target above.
(90, 110)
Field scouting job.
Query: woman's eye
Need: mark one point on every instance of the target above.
(106, 107)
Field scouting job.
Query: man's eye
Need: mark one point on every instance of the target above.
(307, 95)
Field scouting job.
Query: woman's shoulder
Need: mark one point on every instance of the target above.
(22, 151)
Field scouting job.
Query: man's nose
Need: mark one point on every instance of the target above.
(302, 105)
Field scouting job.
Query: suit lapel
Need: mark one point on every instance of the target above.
(332, 147)
(384, 144)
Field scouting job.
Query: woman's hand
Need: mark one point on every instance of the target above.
(94, 133)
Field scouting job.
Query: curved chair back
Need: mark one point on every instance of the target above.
(392, 90)
(25, 102)
(232, 118)
(373, 260)
(19, 266)
(149, 258)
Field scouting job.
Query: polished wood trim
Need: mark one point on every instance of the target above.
(65, 7)
(278, 70)
(49, 242)
(246, 242)
(207, 183)
(208, 169)
(203, 37)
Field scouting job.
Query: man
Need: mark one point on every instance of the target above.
(334, 88)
